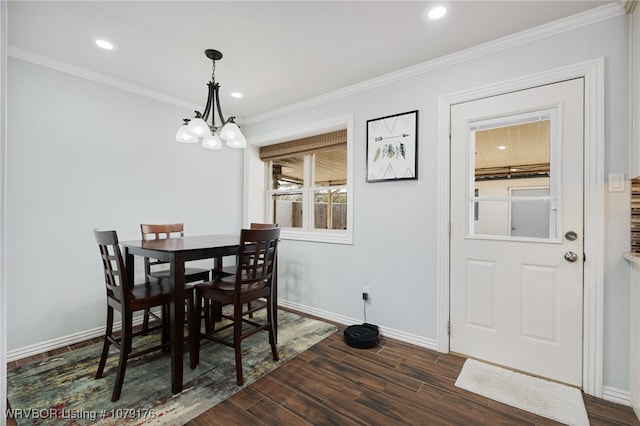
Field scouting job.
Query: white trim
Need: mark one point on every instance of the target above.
(67, 68)
(82, 336)
(402, 336)
(594, 183)
(60, 342)
(618, 396)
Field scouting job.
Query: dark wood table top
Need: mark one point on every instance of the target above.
(192, 247)
(195, 242)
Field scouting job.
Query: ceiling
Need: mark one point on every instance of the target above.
(275, 53)
(515, 150)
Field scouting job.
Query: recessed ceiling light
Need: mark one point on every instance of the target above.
(502, 147)
(236, 95)
(435, 12)
(104, 43)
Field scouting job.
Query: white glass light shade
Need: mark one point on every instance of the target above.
(198, 127)
(239, 142)
(232, 134)
(212, 142)
(183, 135)
(230, 131)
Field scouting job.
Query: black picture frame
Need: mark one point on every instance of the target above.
(392, 147)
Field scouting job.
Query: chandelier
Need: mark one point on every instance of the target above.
(210, 135)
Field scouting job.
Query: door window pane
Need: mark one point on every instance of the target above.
(513, 191)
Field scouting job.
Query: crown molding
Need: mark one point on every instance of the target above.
(598, 14)
(65, 67)
(585, 18)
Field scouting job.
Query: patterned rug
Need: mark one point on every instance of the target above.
(62, 390)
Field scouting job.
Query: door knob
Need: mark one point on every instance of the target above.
(570, 256)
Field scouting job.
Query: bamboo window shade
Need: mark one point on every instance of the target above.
(304, 146)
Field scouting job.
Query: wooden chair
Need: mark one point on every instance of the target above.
(151, 270)
(230, 270)
(127, 298)
(253, 279)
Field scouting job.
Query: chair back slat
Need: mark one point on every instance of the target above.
(255, 225)
(159, 232)
(115, 273)
(256, 256)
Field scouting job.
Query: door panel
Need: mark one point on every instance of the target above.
(515, 300)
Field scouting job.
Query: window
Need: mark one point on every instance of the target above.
(307, 189)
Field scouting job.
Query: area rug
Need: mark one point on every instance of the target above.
(62, 390)
(548, 399)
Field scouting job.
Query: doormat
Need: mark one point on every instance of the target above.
(542, 397)
(62, 390)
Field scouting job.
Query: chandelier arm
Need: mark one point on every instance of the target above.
(207, 108)
(217, 95)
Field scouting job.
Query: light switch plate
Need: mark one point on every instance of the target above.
(616, 182)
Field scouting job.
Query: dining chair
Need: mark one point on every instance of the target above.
(253, 280)
(156, 269)
(231, 269)
(226, 271)
(128, 298)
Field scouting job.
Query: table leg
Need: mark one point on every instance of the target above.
(129, 266)
(176, 321)
(274, 296)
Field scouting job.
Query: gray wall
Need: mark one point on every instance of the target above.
(395, 223)
(83, 155)
(80, 156)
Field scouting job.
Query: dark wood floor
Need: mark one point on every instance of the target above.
(394, 383)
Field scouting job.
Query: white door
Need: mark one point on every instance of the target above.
(516, 300)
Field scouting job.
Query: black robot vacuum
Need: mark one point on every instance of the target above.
(362, 336)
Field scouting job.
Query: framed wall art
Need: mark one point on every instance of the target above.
(392, 147)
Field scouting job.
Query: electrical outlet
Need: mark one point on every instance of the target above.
(365, 292)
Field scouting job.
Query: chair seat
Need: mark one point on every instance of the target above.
(227, 287)
(152, 294)
(190, 274)
(228, 270)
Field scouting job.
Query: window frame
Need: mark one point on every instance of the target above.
(308, 190)
(335, 236)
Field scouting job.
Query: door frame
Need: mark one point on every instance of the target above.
(594, 183)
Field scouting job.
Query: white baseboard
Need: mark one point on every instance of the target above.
(61, 342)
(384, 331)
(618, 396)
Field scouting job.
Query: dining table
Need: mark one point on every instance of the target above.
(177, 251)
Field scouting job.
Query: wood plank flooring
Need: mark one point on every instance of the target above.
(392, 384)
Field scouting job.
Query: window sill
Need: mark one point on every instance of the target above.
(323, 236)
